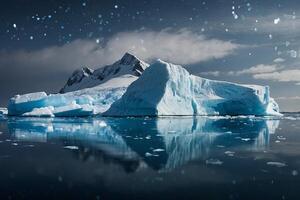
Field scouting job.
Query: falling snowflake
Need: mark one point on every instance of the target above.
(277, 20)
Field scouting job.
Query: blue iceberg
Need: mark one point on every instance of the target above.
(163, 89)
(168, 89)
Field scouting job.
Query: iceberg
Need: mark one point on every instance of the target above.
(130, 87)
(168, 89)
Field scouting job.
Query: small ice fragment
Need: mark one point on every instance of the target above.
(245, 139)
(158, 150)
(148, 137)
(276, 164)
(277, 141)
(214, 162)
(14, 144)
(147, 154)
(71, 147)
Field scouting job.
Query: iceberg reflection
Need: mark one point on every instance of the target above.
(159, 143)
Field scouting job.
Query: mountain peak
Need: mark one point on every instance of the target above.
(86, 77)
(128, 59)
(77, 76)
(131, 60)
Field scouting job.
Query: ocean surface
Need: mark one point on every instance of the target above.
(150, 158)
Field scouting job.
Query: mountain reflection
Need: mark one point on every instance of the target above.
(159, 143)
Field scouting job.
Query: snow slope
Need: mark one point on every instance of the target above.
(168, 89)
(90, 94)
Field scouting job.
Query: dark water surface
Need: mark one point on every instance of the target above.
(146, 158)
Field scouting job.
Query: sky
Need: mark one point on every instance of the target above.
(248, 42)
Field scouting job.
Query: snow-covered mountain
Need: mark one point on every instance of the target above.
(128, 67)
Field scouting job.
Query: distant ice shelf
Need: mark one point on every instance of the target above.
(130, 87)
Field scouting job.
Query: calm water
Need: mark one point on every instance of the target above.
(146, 158)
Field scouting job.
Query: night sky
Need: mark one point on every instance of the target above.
(250, 42)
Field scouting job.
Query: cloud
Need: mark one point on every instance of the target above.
(258, 69)
(288, 98)
(291, 75)
(182, 47)
(273, 72)
(278, 60)
(211, 73)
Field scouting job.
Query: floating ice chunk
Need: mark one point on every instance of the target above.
(71, 147)
(158, 150)
(245, 139)
(147, 154)
(229, 153)
(276, 164)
